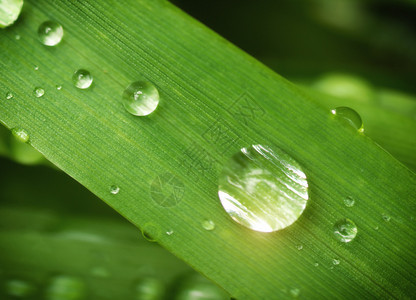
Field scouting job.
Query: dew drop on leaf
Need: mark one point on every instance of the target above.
(140, 98)
(38, 92)
(263, 188)
(20, 134)
(336, 262)
(349, 201)
(345, 230)
(208, 225)
(82, 79)
(9, 11)
(349, 116)
(114, 189)
(9, 95)
(50, 33)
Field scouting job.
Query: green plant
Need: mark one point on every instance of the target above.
(205, 85)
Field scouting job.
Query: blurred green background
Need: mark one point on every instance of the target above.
(58, 241)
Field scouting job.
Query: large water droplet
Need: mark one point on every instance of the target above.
(50, 33)
(140, 98)
(345, 230)
(349, 201)
(263, 189)
(82, 79)
(38, 92)
(9, 12)
(149, 289)
(9, 95)
(66, 288)
(349, 116)
(20, 134)
(208, 225)
(19, 288)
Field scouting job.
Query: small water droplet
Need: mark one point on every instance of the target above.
(316, 264)
(148, 289)
(114, 189)
(140, 98)
(299, 247)
(50, 33)
(35, 68)
(345, 230)
(150, 232)
(349, 201)
(9, 95)
(208, 225)
(20, 134)
(294, 292)
(19, 288)
(350, 116)
(38, 92)
(263, 189)
(59, 87)
(336, 261)
(17, 37)
(376, 228)
(66, 288)
(169, 232)
(82, 79)
(386, 218)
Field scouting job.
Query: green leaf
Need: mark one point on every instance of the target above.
(214, 100)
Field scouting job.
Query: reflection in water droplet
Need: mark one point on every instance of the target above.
(38, 92)
(66, 288)
(386, 218)
(148, 289)
(349, 116)
(114, 189)
(263, 189)
(9, 95)
(140, 98)
(208, 225)
(295, 293)
(349, 201)
(36, 68)
(82, 79)
(20, 134)
(345, 230)
(336, 261)
(299, 247)
(19, 288)
(59, 87)
(50, 33)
